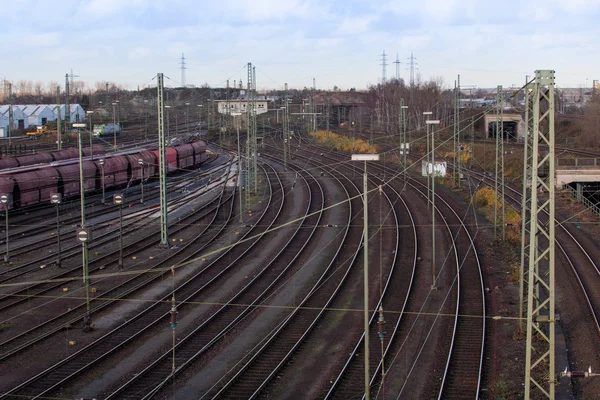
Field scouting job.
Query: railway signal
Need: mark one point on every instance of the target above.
(101, 162)
(83, 234)
(56, 199)
(141, 163)
(5, 200)
(119, 199)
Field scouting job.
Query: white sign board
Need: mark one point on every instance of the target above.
(438, 168)
(404, 146)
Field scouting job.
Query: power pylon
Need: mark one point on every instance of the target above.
(540, 377)
(183, 68)
(383, 67)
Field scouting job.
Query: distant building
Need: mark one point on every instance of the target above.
(238, 106)
(19, 118)
(38, 114)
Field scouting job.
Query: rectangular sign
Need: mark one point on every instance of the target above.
(437, 169)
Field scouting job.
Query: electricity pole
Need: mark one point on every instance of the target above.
(540, 374)
(526, 198)
(499, 181)
(164, 235)
(67, 103)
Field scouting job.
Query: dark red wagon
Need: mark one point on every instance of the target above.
(115, 171)
(150, 165)
(199, 152)
(185, 156)
(8, 163)
(171, 158)
(33, 159)
(69, 178)
(7, 186)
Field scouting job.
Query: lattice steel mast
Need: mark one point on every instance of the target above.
(164, 236)
(251, 146)
(540, 377)
(499, 181)
(526, 199)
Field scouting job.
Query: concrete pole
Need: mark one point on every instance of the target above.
(366, 281)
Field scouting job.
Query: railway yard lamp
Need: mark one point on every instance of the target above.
(101, 162)
(56, 199)
(119, 199)
(365, 158)
(89, 114)
(114, 126)
(432, 173)
(5, 200)
(141, 163)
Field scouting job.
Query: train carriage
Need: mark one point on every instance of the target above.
(69, 178)
(48, 183)
(116, 171)
(32, 159)
(199, 152)
(97, 149)
(185, 156)
(171, 158)
(27, 189)
(65, 154)
(150, 165)
(7, 186)
(8, 162)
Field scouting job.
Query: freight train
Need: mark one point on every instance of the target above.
(51, 174)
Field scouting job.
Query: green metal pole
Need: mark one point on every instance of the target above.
(164, 235)
(525, 200)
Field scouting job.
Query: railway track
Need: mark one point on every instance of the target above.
(193, 286)
(192, 349)
(26, 338)
(465, 345)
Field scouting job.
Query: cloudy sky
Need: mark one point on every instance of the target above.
(337, 42)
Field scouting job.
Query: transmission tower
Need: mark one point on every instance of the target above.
(499, 181)
(540, 376)
(412, 65)
(383, 67)
(397, 62)
(162, 165)
(72, 75)
(183, 68)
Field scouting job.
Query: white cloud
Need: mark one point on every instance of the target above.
(355, 25)
(48, 39)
